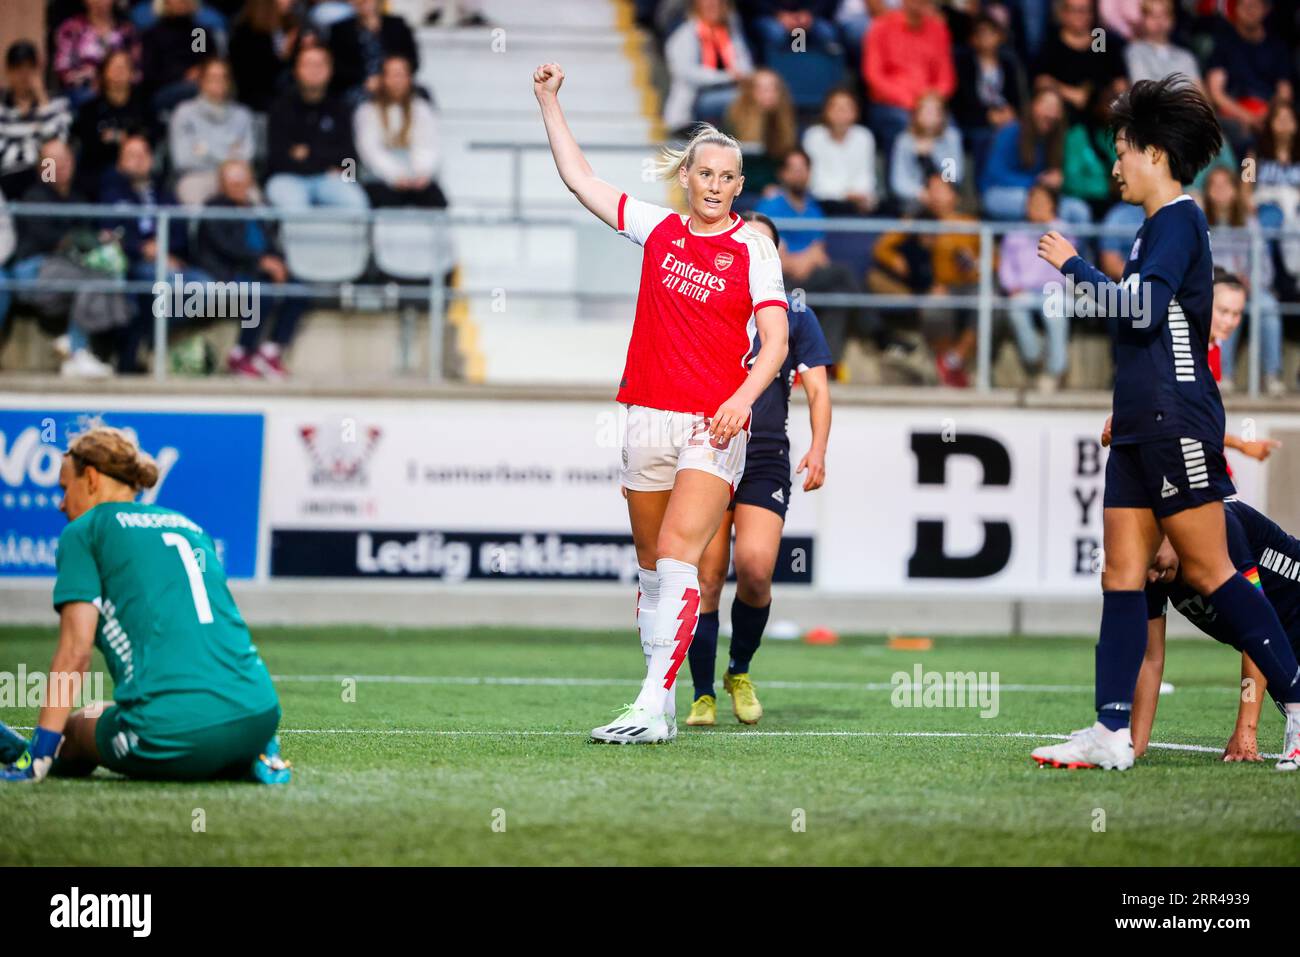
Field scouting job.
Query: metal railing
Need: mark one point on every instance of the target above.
(435, 295)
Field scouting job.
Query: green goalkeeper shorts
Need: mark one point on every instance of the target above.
(218, 752)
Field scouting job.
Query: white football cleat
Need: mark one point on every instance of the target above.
(1094, 747)
(636, 726)
(1290, 760)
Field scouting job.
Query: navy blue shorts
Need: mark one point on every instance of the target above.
(765, 482)
(1166, 475)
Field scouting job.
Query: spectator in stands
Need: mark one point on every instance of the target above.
(28, 117)
(1228, 212)
(1248, 68)
(205, 132)
(261, 49)
(778, 19)
(104, 120)
(762, 118)
(1090, 152)
(1026, 277)
(955, 258)
(1123, 17)
(361, 43)
(243, 251)
(706, 57)
(1152, 55)
(456, 13)
(174, 48)
(929, 144)
(804, 260)
(990, 87)
(908, 53)
(45, 239)
(132, 182)
(1277, 183)
(1028, 151)
(1071, 63)
(843, 157)
(397, 139)
(82, 43)
(310, 154)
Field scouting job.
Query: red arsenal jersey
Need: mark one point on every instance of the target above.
(695, 308)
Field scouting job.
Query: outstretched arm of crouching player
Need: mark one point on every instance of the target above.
(1146, 696)
(1243, 745)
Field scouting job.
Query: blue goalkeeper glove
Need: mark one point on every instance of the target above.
(12, 745)
(34, 763)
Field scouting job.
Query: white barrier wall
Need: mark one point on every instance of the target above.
(925, 501)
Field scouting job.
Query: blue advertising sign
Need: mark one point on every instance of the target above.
(210, 470)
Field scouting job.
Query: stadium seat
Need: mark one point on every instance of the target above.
(326, 251)
(406, 248)
(809, 75)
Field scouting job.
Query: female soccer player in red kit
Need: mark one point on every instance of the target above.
(708, 281)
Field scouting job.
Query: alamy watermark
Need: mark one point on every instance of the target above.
(947, 689)
(208, 300)
(58, 689)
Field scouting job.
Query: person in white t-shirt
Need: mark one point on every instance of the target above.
(843, 154)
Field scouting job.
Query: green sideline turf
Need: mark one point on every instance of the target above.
(384, 780)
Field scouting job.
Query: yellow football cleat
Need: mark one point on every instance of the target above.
(704, 712)
(743, 699)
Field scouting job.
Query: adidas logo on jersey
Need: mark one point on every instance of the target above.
(779, 495)
(1167, 489)
(680, 243)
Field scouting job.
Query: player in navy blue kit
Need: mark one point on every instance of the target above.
(1269, 558)
(1166, 474)
(757, 512)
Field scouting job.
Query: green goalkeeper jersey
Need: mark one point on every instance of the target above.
(179, 652)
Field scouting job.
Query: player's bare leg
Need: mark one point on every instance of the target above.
(1199, 536)
(1131, 537)
(758, 542)
(693, 514)
(79, 755)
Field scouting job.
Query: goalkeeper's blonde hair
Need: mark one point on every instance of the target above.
(672, 159)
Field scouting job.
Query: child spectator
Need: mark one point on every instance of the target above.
(929, 144)
(1025, 277)
(205, 132)
(397, 140)
(1277, 180)
(843, 157)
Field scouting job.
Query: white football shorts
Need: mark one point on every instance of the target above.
(657, 444)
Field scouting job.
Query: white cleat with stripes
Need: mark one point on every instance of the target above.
(1290, 760)
(636, 726)
(1094, 747)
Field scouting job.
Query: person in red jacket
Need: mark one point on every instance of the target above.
(908, 53)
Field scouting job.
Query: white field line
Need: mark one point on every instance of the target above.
(436, 733)
(531, 681)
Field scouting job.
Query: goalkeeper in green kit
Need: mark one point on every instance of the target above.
(142, 583)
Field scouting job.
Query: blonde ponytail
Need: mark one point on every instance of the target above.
(114, 453)
(672, 159)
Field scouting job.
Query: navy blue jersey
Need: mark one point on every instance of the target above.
(1261, 551)
(771, 411)
(1163, 385)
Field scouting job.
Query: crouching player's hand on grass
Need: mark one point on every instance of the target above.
(34, 763)
(1242, 745)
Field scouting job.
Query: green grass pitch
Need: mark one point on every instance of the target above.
(427, 766)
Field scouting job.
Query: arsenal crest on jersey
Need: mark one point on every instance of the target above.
(722, 260)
